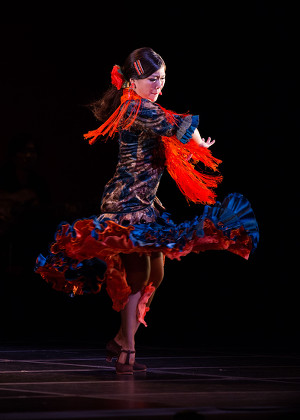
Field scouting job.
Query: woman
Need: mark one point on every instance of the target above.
(126, 245)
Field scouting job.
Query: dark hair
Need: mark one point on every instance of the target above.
(111, 99)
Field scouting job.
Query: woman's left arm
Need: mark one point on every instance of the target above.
(197, 139)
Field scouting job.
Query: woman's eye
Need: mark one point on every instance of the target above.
(154, 80)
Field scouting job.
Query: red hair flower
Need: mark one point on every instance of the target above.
(117, 77)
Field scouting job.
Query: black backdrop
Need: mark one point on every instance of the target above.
(235, 66)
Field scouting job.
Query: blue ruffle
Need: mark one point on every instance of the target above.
(89, 271)
(233, 213)
(164, 232)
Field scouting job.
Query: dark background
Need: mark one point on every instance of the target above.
(235, 66)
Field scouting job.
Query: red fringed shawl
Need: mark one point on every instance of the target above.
(180, 158)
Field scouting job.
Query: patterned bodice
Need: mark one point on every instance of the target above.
(141, 159)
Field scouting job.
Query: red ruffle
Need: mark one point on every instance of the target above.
(142, 307)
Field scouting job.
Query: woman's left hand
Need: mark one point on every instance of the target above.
(207, 143)
(202, 142)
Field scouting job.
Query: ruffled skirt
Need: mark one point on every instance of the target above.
(86, 255)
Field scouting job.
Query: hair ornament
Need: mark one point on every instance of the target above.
(138, 67)
(117, 77)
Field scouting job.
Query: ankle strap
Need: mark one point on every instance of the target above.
(127, 351)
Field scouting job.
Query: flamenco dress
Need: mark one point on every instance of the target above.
(86, 255)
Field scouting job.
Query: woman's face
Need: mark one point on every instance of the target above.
(150, 87)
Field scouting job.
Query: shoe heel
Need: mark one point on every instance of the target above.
(109, 356)
(112, 350)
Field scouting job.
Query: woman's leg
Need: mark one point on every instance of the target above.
(137, 275)
(133, 265)
(156, 272)
(129, 327)
(140, 271)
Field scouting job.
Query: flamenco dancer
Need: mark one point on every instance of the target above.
(125, 247)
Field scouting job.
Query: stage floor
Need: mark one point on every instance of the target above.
(76, 383)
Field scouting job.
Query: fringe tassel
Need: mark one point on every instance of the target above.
(180, 161)
(116, 120)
